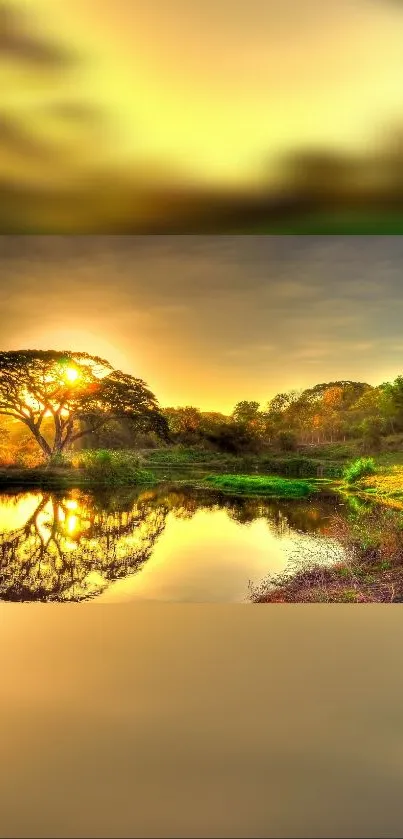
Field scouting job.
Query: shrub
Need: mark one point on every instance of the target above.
(287, 441)
(296, 466)
(105, 466)
(28, 455)
(359, 468)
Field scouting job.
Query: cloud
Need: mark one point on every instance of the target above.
(24, 46)
(213, 319)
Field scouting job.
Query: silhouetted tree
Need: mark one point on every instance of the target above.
(76, 391)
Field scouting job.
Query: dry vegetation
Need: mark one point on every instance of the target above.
(370, 572)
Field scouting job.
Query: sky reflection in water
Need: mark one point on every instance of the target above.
(157, 544)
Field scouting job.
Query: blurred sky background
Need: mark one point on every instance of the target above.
(150, 97)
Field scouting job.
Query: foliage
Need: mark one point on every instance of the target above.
(105, 466)
(261, 485)
(247, 415)
(372, 433)
(297, 466)
(5, 454)
(28, 455)
(120, 433)
(182, 455)
(234, 438)
(245, 411)
(359, 469)
(66, 399)
(183, 420)
(287, 441)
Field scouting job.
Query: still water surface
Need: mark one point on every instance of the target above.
(161, 544)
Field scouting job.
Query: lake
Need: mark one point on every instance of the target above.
(164, 543)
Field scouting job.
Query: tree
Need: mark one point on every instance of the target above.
(254, 422)
(323, 412)
(371, 429)
(233, 438)
(286, 440)
(211, 421)
(76, 392)
(245, 412)
(393, 396)
(183, 421)
(281, 414)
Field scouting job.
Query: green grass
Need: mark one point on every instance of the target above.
(290, 466)
(389, 459)
(261, 485)
(334, 451)
(360, 468)
(183, 456)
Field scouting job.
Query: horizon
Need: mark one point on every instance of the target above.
(210, 321)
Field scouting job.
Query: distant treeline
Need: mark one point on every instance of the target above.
(326, 413)
(332, 412)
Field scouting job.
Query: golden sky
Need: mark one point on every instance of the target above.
(211, 320)
(216, 88)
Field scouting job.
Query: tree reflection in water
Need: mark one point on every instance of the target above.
(71, 546)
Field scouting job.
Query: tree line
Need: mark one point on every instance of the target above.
(53, 402)
(329, 412)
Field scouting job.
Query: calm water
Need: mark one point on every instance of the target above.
(160, 544)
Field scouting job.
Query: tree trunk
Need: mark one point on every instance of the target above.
(44, 445)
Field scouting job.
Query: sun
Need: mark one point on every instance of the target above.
(72, 374)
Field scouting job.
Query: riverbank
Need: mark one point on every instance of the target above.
(371, 570)
(296, 474)
(236, 485)
(368, 580)
(63, 478)
(385, 487)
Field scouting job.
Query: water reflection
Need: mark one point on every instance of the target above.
(75, 545)
(56, 547)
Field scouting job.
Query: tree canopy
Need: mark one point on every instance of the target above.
(76, 392)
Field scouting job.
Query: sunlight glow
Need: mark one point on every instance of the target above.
(72, 523)
(72, 374)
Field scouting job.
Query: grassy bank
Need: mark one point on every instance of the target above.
(257, 485)
(385, 486)
(371, 570)
(63, 478)
(311, 466)
(87, 469)
(292, 465)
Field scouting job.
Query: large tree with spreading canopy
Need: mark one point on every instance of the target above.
(76, 392)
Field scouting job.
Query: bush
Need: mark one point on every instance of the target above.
(287, 441)
(301, 467)
(359, 468)
(28, 455)
(182, 456)
(106, 466)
